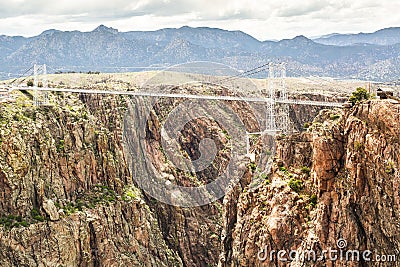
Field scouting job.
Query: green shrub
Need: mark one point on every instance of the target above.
(85, 115)
(389, 168)
(35, 214)
(60, 146)
(358, 146)
(263, 176)
(253, 166)
(313, 200)
(101, 194)
(12, 221)
(131, 193)
(227, 136)
(359, 95)
(305, 170)
(39, 218)
(69, 209)
(296, 185)
(335, 117)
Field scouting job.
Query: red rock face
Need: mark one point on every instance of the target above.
(67, 194)
(354, 160)
(64, 187)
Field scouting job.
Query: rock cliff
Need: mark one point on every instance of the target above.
(334, 186)
(68, 196)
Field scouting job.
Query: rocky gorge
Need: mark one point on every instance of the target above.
(69, 197)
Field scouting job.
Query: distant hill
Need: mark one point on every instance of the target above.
(108, 50)
(389, 36)
(203, 36)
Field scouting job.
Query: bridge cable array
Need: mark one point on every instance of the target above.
(277, 120)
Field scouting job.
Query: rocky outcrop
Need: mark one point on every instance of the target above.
(121, 234)
(334, 186)
(194, 232)
(68, 194)
(67, 197)
(301, 116)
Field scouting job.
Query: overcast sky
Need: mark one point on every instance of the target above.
(262, 19)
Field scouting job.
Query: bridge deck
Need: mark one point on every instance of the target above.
(187, 96)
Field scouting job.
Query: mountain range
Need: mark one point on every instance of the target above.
(388, 36)
(371, 56)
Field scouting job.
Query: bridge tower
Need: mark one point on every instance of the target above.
(277, 117)
(270, 116)
(40, 97)
(283, 109)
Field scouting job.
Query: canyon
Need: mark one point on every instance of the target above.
(69, 194)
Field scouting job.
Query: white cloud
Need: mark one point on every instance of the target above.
(301, 8)
(262, 19)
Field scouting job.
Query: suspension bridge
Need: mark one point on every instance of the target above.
(277, 120)
(171, 95)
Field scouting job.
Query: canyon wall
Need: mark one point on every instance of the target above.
(334, 186)
(69, 197)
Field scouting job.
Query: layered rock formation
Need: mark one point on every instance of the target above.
(68, 196)
(334, 186)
